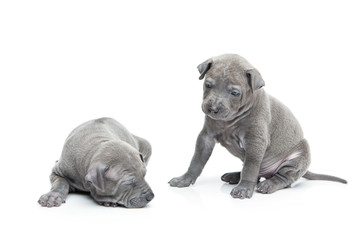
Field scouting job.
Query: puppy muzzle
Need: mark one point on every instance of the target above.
(215, 111)
(142, 201)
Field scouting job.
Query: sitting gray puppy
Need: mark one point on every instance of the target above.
(251, 125)
(102, 157)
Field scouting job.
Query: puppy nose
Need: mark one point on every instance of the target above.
(213, 109)
(149, 196)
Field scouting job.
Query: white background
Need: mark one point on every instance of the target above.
(66, 62)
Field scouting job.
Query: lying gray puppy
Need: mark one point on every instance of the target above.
(102, 157)
(251, 125)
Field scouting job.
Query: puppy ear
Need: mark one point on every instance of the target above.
(96, 176)
(204, 67)
(254, 79)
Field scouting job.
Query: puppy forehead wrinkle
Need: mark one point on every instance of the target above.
(119, 171)
(127, 173)
(232, 60)
(226, 68)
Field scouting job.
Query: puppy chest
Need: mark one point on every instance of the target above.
(233, 143)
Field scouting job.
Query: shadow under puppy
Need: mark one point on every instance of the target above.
(102, 157)
(251, 125)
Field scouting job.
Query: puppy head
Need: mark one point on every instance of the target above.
(117, 177)
(229, 81)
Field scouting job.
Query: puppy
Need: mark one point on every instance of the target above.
(102, 157)
(251, 125)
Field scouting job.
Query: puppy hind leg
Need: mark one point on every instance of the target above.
(57, 195)
(273, 184)
(144, 148)
(285, 176)
(231, 178)
(290, 172)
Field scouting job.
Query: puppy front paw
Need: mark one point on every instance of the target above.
(182, 181)
(51, 199)
(244, 190)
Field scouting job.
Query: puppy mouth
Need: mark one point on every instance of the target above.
(137, 202)
(215, 117)
(111, 204)
(218, 116)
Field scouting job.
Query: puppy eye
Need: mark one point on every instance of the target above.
(208, 85)
(130, 182)
(235, 93)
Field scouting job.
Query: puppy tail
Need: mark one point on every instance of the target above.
(314, 176)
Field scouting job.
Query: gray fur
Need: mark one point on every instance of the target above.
(251, 125)
(102, 157)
